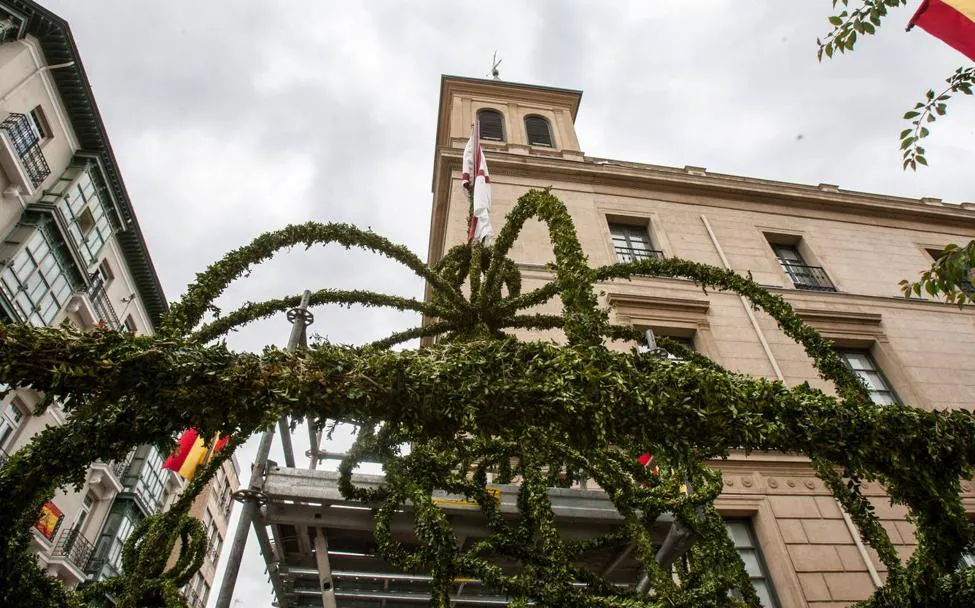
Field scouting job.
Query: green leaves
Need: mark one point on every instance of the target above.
(928, 111)
(480, 405)
(847, 25)
(950, 276)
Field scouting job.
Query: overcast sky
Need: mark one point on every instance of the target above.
(230, 118)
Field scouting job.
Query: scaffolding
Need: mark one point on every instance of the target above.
(319, 548)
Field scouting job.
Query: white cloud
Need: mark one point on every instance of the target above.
(245, 115)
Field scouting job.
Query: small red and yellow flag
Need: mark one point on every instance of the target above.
(953, 21)
(190, 453)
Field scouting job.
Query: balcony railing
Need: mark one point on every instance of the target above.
(119, 467)
(74, 548)
(809, 278)
(28, 147)
(102, 304)
(629, 254)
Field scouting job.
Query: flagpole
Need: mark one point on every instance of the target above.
(476, 165)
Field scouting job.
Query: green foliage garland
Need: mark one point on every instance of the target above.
(481, 406)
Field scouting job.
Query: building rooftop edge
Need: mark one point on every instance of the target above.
(58, 46)
(757, 181)
(521, 85)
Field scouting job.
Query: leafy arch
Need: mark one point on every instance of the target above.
(479, 401)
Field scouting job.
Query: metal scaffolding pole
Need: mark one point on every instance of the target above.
(253, 497)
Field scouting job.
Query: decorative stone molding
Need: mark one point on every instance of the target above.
(689, 313)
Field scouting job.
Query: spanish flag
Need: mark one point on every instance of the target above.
(190, 453)
(953, 21)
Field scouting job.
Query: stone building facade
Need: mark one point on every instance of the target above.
(837, 256)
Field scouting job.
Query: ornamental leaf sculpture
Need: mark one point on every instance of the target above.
(481, 402)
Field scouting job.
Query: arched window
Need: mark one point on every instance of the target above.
(539, 132)
(492, 125)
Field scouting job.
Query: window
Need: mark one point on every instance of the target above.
(130, 324)
(802, 275)
(82, 518)
(88, 222)
(10, 419)
(967, 560)
(214, 545)
(685, 341)
(743, 536)
(36, 282)
(538, 130)
(105, 272)
(866, 368)
(196, 591)
(145, 478)
(204, 593)
(108, 550)
(632, 243)
(492, 125)
(38, 124)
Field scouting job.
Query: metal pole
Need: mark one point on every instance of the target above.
(251, 511)
(289, 453)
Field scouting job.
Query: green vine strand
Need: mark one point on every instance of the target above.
(479, 407)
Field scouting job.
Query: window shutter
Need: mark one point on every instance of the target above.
(539, 133)
(492, 125)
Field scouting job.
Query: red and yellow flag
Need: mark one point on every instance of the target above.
(190, 453)
(953, 21)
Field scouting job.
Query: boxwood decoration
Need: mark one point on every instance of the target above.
(481, 403)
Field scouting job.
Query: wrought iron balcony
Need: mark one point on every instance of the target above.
(102, 305)
(119, 467)
(809, 278)
(73, 547)
(27, 146)
(629, 254)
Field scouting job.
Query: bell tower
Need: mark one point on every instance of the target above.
(520, 124)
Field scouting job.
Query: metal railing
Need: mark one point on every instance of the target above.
(809, 278)
(28, 147)
(119, 467)
(74, 547)
(629, 254)
(102, 304)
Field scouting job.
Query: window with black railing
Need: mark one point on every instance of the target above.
(102, 304)
(26, 142)
(802, 275)
(632, 243)
(74, 548)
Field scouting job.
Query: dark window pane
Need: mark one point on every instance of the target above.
(492, 125)
(539, 133)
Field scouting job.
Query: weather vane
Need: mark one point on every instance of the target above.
(495, 62)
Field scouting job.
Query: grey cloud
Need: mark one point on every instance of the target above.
(234, 117)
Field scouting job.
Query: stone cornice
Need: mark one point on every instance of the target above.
(726, 190)
(657, 303)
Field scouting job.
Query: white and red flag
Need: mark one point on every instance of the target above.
(476, 180)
